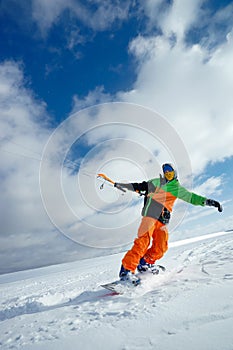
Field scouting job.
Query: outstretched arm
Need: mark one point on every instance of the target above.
(195, 199)
(128, 186)
(136, 187)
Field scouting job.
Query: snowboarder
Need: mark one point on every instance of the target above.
(160, 195)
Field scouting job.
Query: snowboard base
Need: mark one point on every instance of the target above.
(119, 287)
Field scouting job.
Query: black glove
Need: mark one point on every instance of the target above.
(213, 203)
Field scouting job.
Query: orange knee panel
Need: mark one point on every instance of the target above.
(147, 226)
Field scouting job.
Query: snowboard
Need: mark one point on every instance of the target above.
(120, 287)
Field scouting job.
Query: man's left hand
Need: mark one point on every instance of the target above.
(213, 203)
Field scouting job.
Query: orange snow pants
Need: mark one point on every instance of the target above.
(149, 230)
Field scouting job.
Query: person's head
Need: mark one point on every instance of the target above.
(169, 172)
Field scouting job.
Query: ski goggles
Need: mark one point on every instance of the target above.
(169, 175)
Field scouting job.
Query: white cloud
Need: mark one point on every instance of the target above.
(46, 13)
(211, 187)
(99, 16)
(215, 25)
(27, 234)
(94, 97)
(104, 16)
(189, 85)
(21, 145)
(173, 18)
(179, 17)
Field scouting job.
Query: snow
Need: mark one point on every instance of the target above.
(190, 306)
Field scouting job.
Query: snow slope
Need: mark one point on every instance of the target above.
(63, 307)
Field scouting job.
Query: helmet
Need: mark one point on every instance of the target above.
(169, 171)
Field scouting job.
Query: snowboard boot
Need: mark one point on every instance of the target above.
(143, 266)
(128, 276)
(123, 273)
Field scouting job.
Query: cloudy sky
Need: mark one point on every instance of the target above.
(117, 87)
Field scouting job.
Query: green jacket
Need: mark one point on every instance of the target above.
(160, 197)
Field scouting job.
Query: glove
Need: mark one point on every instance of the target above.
(213, 203)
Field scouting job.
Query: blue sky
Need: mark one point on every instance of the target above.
(70, 55)
(58, 58)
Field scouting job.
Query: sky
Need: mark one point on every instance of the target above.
(118, 87)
